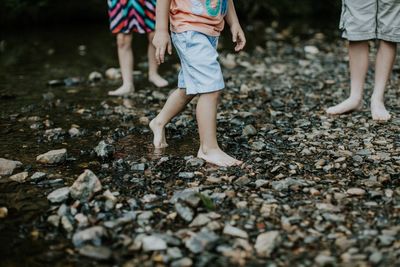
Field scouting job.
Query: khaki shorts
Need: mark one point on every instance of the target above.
(371, 19)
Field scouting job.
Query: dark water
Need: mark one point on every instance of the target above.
(28, 60)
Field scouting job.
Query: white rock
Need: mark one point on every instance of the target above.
(20, 177)
(59, 195)
(233, 231)
(266, 243)
(153, 243)
(7, 167)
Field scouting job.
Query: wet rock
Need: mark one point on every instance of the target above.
(153, 243)
(355, 192)
(201, 241)
(20, 177)
(97, 253)
(235, 232)
(38, 176)
(195, 162)
(267, 242)
(104, 149)
(7, 167)
(3, 212)
(184, 211)
(53, 157)
(59, 195)
(93, 235)
(85, 186)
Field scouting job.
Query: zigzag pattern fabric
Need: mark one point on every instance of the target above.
(127, 16)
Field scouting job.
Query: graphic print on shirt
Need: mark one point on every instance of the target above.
(213, 7)
(197, 7)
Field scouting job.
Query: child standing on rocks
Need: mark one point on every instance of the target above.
(361, 21)
(126, 17)
(196, 26)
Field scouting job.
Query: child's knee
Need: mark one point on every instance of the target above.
(124, 41)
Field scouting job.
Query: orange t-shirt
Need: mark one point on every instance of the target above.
(205, 16)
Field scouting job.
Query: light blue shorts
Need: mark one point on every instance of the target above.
(200, 70)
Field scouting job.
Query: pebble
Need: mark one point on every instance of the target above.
(267, 242)
(3, 212)
(96, 253)
(85, 186)
(59, 195)
(356, 192)
(7, 166)
(53, 157)
(233, 231)
(153, 243)
(20, 177)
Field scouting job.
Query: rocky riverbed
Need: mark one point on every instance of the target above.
(86, 187)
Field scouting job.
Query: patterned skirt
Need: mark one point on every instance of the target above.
(127, 16)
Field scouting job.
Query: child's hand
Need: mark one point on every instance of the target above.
(238, 37)
(162, 42)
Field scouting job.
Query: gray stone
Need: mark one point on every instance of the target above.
(38, 176)
(97, 253)
(200, 220)
(104, 150)
(53, 157)
(7, 167)
(249, 130)
(190, 196)
(20, 177)
(184, 262)
(356, 192)
(174, 253)
(138, 167)
(153, 243)
(258, 146)
(92, 235)
(195, 162)
(74, 132)
(266, 243)
(85, 186)
(54, 220)
(285, 184)
(235, 232)
(199, 242)
(184, 211)
(376, 257)
(324, 260)
(67, 224)
(186, 175)
(260, 183)
(59, 195)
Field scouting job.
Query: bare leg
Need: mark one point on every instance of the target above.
(176, 102)
(384, 64)
(154, 77)
(358, 52)
(206, 113)
(125, 56)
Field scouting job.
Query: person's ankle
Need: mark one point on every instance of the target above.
(207, 149)
(157, 123)
(377, 98)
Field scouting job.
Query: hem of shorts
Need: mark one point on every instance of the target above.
(362, 36)
(195, 29)
(371, 36)
(198, 92)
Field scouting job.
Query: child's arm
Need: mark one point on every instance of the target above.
(162, 40)
(237, 32)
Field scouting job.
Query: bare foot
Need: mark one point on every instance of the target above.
(218, 157)
(379, 111)
(349, 105)
(124, 90)
(159, 140)
(157, 80)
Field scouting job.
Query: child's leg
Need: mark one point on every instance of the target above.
(125, 56)
(358, 53)
(206, 113)
(154, 77)
(384, 64)
(176, 102)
